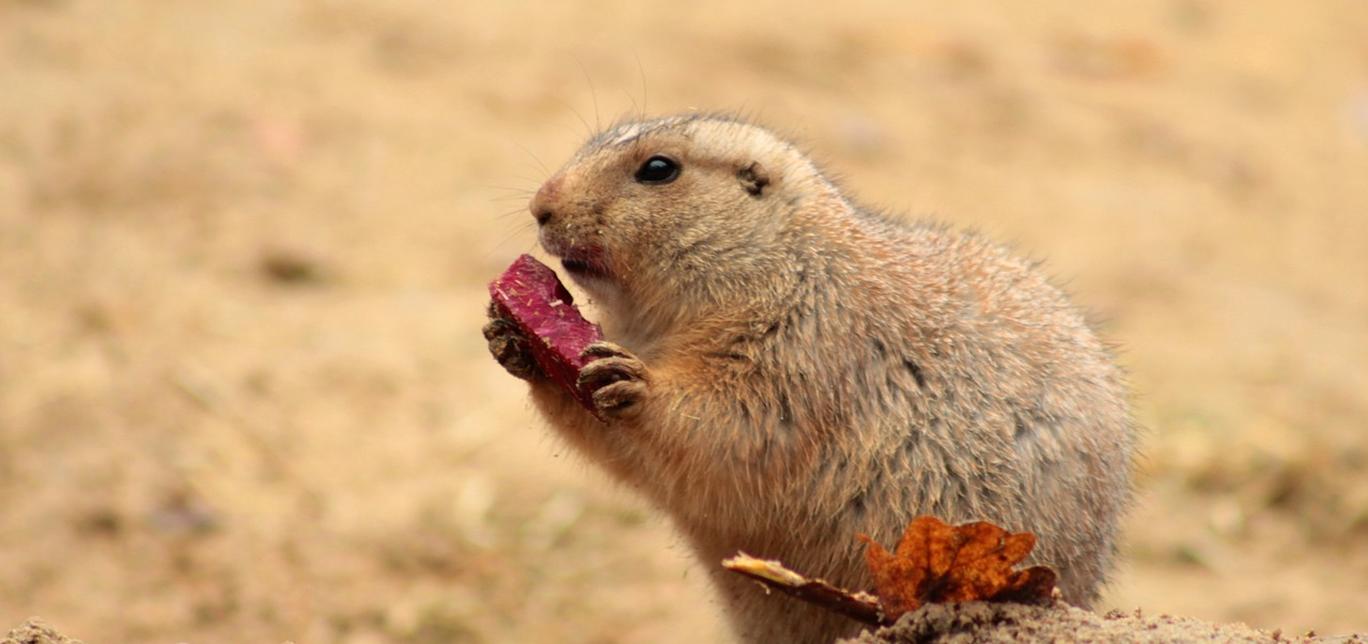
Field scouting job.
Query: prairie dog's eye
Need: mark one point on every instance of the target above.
(657, 170)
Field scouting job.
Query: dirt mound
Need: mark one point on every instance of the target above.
(36, 631)
(986, 622)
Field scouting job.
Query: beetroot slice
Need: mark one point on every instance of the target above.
(531, 296)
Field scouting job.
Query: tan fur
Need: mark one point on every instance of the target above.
(790, 370)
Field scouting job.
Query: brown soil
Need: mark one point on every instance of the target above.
(244, 249)
(36, 631)
(981, 622)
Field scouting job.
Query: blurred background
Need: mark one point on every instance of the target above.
(243, 251)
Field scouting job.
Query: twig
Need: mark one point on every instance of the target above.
(859, 606)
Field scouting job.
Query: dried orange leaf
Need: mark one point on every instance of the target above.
(935, 563)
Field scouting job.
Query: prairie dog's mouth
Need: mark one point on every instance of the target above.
(585, 263)
(581, 265)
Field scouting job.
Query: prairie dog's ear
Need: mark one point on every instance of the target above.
(753, 178)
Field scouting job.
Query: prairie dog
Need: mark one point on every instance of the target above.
(787, 369)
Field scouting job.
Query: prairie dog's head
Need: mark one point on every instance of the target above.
(674, 212)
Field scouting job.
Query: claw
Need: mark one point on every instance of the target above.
(616, 379)
(616, 399)
(605, 349)
(497, 327)
(510, 349)
(606, 371)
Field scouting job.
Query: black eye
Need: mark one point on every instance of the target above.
(657, 170)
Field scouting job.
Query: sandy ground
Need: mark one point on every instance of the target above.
(983, 623)
(243, 394)
(36, 631)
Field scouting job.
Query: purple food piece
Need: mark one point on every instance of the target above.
(531, 296)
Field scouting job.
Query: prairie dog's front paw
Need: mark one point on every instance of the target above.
(509, 347)
(615, 378)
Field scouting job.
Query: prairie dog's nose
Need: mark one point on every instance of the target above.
(543, 203)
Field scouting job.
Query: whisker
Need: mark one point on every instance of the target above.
(588, 131)
(512, 189)
(504, 215)
(631, 98)
(513, 235)
(534, 157)
(593, 94)
(641, 71)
